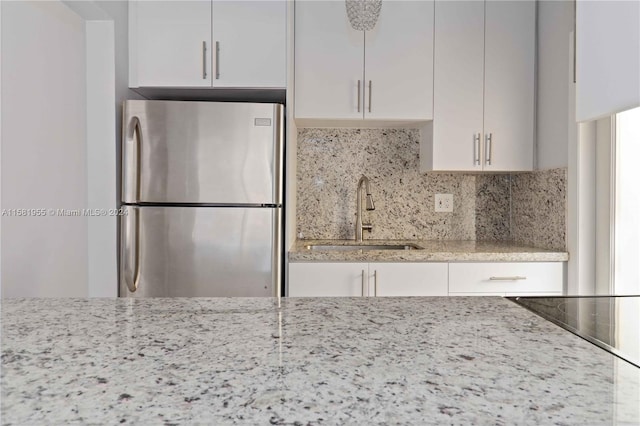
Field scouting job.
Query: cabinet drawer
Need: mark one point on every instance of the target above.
(535, 278)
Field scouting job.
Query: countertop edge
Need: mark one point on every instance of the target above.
(431, 251)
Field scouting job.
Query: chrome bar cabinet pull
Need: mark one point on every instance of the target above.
(375, 283)
(514, 278)
(217, 60)
(488, 148)
(476, 149)
(204, 60)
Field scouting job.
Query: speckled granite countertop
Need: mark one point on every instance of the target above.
(432, 251)
(462, 360)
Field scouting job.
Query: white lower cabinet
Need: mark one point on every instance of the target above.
(331, 279)
(407, 279)
(506, 278)
(315, 279)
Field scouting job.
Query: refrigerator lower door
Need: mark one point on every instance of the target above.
(200, 251)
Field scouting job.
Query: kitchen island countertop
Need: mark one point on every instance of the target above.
(430, 251)
(447, 360)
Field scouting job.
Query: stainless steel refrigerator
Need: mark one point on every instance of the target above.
(202, 199)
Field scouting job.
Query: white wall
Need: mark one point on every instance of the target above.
(77, 92)
(604, 199)
(1, 291)
(291, 137)
(555, 22)
(101, 159)
(118, 11)
(104, 145)
(43, 149)
(627, 203)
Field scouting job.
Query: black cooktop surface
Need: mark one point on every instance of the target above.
(611, 322)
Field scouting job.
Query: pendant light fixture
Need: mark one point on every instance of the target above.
(363, 14)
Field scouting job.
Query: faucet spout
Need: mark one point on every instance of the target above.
(369, 205)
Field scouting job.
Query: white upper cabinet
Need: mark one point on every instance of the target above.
(382, 74)
(250, 37)
(328, 62)
(170, 43)
(484, 83)
(509, 85)
(205, 43)
(608, 57)
(398, 63)
(458, 86)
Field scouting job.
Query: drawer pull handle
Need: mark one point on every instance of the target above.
(516, 278)
(363, 283)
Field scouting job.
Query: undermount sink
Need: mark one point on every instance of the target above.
(349, 247)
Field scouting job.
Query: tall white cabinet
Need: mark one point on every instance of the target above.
(382, 74)
(608, 58)
(484, 83)
(205, 43)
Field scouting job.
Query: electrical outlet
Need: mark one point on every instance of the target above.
(444, 202)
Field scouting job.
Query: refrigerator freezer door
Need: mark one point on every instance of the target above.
(200, 251)
(202, 152)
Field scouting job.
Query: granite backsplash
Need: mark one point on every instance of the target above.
(539, 205)
(330, 162)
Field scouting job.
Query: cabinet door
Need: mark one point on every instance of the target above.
(458, 85)
(608, 58)
(502, 278)
(509, 85)
(329, 62)
(170, 43)
(327, 279)
(408, 279)
(399, 62)
(250, 37)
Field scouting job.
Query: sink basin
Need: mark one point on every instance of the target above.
(349, 247)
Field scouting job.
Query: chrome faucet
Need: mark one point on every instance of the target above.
(360, 227)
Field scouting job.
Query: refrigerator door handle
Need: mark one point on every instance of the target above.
(131, 248)
(131, 161)
(276, 253)
(278, 153)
